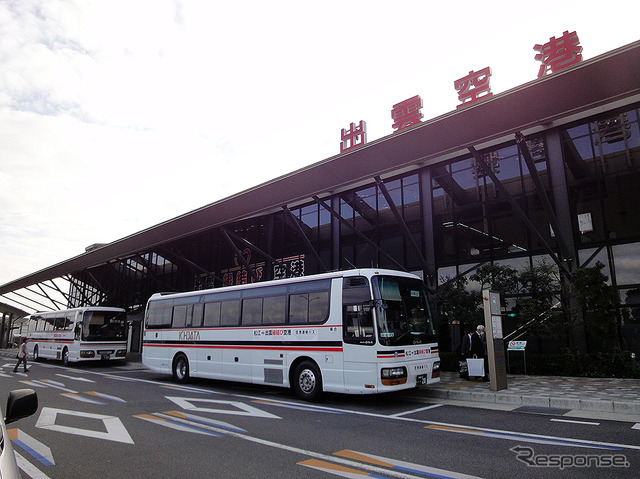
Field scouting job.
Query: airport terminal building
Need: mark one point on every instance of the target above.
(545, 171)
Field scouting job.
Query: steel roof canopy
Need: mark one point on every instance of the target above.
(580, 90)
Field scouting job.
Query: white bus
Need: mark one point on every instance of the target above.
(359, 332)
(80, 334)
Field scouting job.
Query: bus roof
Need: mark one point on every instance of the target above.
(369, 272)
(73, 310)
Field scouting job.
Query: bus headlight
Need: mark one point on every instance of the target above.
(393, 376)
(435, 372)
(87, 354)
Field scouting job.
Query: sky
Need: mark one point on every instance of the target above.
(118, 115)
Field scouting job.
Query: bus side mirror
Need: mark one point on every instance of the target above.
(372, 303)
(367, 306)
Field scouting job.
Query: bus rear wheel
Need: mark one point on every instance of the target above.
(307, 381)
(181, 369)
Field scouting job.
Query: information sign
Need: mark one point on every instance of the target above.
(517, 345)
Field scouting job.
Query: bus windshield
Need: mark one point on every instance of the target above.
(403, 314)
(104, 326)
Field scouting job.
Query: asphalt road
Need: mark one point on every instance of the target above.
(103, 421)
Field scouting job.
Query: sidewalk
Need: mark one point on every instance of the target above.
(606, 395)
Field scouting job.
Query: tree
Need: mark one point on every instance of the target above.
(503, 279)
(540, 306)
(455, 302)
(600, 307)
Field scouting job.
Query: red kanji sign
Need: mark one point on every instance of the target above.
(559, 53)
(407, 113)
(475, 86)
(354, 136)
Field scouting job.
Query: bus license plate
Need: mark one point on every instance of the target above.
(422, 379)
(104, 357)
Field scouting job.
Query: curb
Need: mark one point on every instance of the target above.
(594, 405)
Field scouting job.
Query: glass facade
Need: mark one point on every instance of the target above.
(602, 164)
(474, 220)
(466, 220)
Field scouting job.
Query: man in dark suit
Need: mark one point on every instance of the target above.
(477, 348)
(465, 352)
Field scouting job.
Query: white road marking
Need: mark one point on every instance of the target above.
(55, 384)
(361, 413)
(76, 379)
(379, 471)
(29, 469)
(301, 407)
(115, 429)
(186, 389)
(392, 464)
(400, 414)
(77, 397)
(34, 384)
(527, 437)
(172, 424)
(106, 396)
(238, 408)
(40, 451)
(577, 422)
(202, 420)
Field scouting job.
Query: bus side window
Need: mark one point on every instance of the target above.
(212, 314)
(298, 308)
(274, 310)
(318, 306)
(159, 314)
(251, 311)
(58, 323)
(357, 318)
(196, 318)
(309, 302)
(230, 313)
(179, 316)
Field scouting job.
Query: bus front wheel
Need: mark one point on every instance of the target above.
(307, 381)
(181, 369)
(36, 353)
(65, 356)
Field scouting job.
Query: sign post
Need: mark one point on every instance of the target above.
(518, 346)
(495, 346)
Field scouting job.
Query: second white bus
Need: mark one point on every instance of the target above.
(80, 334)
(359, 331)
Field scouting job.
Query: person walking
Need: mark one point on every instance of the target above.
(22, 355)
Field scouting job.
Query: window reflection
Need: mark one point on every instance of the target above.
(589, 257)
(626, 258)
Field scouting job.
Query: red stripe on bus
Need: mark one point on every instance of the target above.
(238, 328)
(209, 346)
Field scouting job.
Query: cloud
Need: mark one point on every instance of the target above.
(115, 116)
